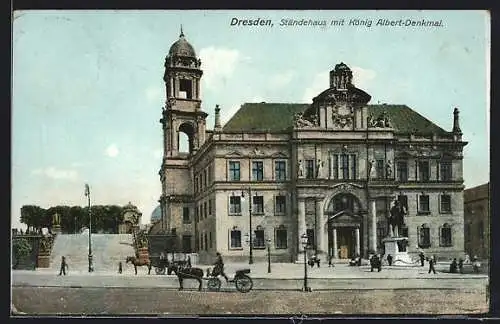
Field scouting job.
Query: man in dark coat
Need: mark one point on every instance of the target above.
(219, 267)
(422, 258)
(64, 266)
(432, 261)
(453, 266)
(389, 259)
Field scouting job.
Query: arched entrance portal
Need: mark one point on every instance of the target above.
(344, 226)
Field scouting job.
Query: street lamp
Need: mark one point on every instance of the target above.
(87, 194)
(304, 242)
(268, 241)
(250, 257)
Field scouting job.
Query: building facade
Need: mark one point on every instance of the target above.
(329, 169)
(477, 221)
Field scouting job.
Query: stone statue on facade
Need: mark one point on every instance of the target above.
(319, 169)
(301, 121)
(372, 169)
(388, 170)
(300, 172)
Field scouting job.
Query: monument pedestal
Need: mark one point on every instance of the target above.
(397, 248)
(43, 261)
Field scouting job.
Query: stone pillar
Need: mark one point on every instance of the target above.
(334, 246)
(373, 225)
(198, 89)
(301, 219)
(320, 227)
(356, 236)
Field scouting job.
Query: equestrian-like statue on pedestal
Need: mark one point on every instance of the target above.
(396, 219)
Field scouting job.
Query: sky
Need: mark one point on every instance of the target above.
(88, 86)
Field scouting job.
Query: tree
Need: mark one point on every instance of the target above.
(21, 248)
(32, 216)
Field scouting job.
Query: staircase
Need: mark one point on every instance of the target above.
(107, 250)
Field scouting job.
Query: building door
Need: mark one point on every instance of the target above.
(345, 242)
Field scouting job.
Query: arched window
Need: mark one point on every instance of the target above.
(424, 236)
(185, 138)
(445, 235)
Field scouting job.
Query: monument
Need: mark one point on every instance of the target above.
(396, 245)
(56, 223)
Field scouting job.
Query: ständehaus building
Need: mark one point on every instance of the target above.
(329, 169)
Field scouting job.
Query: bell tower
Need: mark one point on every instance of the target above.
(182, 112)
(183, 123)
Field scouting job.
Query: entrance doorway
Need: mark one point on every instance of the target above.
(345, 242)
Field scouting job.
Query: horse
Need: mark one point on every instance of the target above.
(187, 273)
(139, 263)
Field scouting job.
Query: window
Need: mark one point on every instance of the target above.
(210, 240)
(234, 205)
(257, 171)
(309, 169)
(402, 171)
(186, 244)
(403, 231)
(281, 241)
(259, 241)
(280, 170)
(280, 205)
(235, 239)
(335, 166)
(185, 89)
(445, 171)
(210, 206)
(480, 230)
(201, 211)
(196, 213)
(205, 209)
(445, 235)
(353, 166)
(201, 241)
(209, 174)
(258, 205)
(445, 204)
(234, 171)
(311, 244)
(380, 169)
(206, 242)
(423, 170)
(344, 166)
(185, 215)
(424, 236)
(423, 204)
(195, 184)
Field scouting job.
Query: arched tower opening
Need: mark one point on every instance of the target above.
(185, 138)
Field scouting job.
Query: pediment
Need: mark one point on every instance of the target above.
(280, 155)
(234, 154)
(346, 218)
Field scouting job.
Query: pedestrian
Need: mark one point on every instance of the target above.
(64, 266)
(422, 258)
(330, 263)
(208, 272)
(317, 260)
(432, 260)
(219, 267)
(120, 267)
(389, 259)
(453, 266)
(188, 262)
(461, 265)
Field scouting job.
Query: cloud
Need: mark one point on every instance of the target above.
(282, 79)
(320, 83)
(218, 65)
(112, 150)
(154, 94)
(361, 79)
(54, 173)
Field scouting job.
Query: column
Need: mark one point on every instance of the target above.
(356, 236)
(198, 88)
(320, 227)
(373, 227)
(334, 238)
(301, 228)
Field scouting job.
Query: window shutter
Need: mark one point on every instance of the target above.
(441, 243)
(419, 239)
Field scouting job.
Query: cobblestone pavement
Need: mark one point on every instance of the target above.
(153, 301)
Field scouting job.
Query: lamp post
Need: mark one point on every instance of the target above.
(87, 194)
(304, 242)
(250, 257)
(268, 241)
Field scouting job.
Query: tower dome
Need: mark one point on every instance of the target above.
(182, 47)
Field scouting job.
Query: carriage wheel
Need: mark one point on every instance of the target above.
(244, 283)
(214, 284)
(160, 270)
